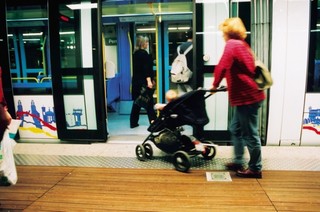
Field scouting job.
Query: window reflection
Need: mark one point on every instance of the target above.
(28, 46)
(33, 46)
(314, 49)
(68, 48)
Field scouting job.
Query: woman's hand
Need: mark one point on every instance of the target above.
(149, 83)
(213, 90)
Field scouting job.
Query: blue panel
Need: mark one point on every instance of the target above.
(159, 62)
(32, 85)
(167, 67)
(124, 55)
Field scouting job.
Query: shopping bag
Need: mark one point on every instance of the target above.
(8, 171)
(262, 76)
(145, 96)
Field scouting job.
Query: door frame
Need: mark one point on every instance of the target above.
(97, 73)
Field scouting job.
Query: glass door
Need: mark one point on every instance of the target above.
(30, 70)
(78, 77)
(209, 45)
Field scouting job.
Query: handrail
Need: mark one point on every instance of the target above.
(25, 78)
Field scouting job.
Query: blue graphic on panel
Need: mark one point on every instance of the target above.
(48, 116)
(77, 113)
(34, 111)
(75, 118)
(314, 117)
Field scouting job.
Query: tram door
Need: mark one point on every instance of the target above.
(210, 44)
(77, 76)
(56, 69)
(171, 34)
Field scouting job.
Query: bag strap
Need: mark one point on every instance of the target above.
(178, 50)
(186, 51)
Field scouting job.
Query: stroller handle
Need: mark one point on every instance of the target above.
(219, 89)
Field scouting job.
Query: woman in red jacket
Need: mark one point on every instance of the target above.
(5, 117)
(237, 65)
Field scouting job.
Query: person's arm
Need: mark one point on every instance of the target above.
(149, 71)
(2, 99)
(224, 64)
(5, 117)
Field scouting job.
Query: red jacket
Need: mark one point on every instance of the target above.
(237, 66)
(2, 99)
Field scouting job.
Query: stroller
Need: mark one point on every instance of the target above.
(189, 109)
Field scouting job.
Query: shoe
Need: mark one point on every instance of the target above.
(234, 167)
(134, 125)
(4, 181)
(249, 173)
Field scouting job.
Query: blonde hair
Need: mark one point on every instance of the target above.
(233, 28)
(141, 40)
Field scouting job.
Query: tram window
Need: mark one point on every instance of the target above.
(242, 9)
(177, 35)
(68, 48)
(72, 84)
(33, 50)
(313, 84)
(28, 49)
(13, 64)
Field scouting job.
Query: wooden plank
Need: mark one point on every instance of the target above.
(112, 189)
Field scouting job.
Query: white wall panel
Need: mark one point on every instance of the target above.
(217, 107)
(289, 69)
(278, 67)
(89, 102)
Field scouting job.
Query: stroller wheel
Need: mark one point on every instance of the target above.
(209, 151)
(181, 161)
(148, 150)
(140, 152)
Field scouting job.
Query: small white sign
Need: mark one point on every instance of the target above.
(218, 176)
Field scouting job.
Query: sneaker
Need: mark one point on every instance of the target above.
(234, 166)
(249, 173)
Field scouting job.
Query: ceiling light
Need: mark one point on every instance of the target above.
(81, 6)
(33, 34)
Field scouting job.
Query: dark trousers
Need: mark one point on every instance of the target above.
(135, 111)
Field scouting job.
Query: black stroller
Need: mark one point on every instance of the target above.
(189, 109)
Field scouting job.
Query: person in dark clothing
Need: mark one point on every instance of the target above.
(142, 76)
(5, 117)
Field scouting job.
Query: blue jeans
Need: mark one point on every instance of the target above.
(244, 131)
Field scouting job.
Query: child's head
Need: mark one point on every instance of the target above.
(171, 95)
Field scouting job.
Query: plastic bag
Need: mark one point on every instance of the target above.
(8, 171)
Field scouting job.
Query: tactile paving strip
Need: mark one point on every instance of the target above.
(157, 162)
(114, 162)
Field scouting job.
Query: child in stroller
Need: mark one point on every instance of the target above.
(165, 131)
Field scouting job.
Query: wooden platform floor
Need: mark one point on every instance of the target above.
(47, 188)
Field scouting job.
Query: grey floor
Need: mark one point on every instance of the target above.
(119, 152)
